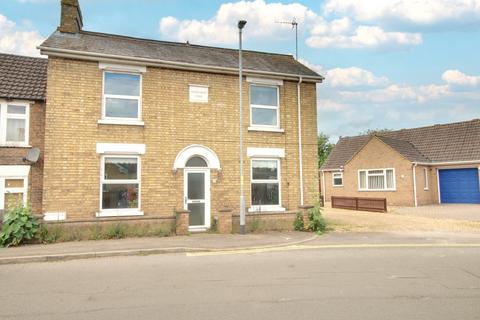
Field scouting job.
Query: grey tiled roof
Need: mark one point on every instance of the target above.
(128, 47)
(458, 141)
(22, 77)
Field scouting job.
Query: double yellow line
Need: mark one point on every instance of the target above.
(332, 246)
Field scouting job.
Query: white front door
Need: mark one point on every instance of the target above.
(197, 197)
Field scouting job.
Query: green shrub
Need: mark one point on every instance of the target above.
(50, 235)
(116, 231)
(316, 222)
(19, 225)
(298, 224)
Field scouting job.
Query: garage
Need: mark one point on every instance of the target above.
(459, 185)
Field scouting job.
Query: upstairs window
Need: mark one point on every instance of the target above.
(121, 96)
(337, 178)
(14, 123)
(264, 106)
(376, 180)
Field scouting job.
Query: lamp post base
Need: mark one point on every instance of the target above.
(242, 229)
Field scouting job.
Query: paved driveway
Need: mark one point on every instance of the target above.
(470, 212)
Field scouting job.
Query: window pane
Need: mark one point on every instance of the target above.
(13, 183)
(13, 200)
(266, 96)
(264, 170)
(16, 109)
(376, 182)
(196, 162)
(390, 179)
(15, 130)
(363, 180)
(265, 194)
(375, 172)
(118, 196)
(337, 181)
(122, 84)
(264, 117)
(120, 168)
(196, 185)
(197, 214)
(121, 108)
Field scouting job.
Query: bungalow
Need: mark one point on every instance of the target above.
(409, 167)
(137, 129)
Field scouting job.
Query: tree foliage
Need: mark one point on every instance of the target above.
(324, 148)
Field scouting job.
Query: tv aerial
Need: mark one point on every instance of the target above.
(294, 25)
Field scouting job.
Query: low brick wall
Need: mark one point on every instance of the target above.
(260, 222)
(107, 228)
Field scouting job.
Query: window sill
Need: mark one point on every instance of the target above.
(384, 190)
(338, 186)
(15, 145)
(254, 209)
(118, 213)
(253, 128)
(122, 122)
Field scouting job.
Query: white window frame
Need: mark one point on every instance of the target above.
(425, 179)
(4, 115)
(4, 190)
(121, 211)
(333, 178)
(367, 175)
(120, 120)
(264, 127)
(271, 207)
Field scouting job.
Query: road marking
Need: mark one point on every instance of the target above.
(334, 246)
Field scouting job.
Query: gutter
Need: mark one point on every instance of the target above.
(74, 54)
(300, 155)
(446, 163)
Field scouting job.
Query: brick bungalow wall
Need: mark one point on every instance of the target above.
(72, 166)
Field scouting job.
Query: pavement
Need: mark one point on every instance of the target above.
(468, 212)
(392, 276)
(141, 246)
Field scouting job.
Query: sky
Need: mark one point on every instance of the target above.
(388, 64)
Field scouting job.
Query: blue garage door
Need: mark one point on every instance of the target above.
(459, 186)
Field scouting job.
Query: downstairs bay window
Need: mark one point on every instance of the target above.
(265, 185)
(376, 180)
(120, 186)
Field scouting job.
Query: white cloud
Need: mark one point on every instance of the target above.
(455, 77)
(353, 76)
(330, 105)
(361, 37)
(408, 12)
(14, 40)
(222, 28)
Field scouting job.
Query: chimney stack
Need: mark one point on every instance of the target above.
(71, 17)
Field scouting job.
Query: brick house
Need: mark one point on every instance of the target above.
(409, 167)
(22, 115)
(137, 129)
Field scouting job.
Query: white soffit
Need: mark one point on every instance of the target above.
(122, 67)
(266, 81)
(266, 152)
(120, 148)
(14, 171)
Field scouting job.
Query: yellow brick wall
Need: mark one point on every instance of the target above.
(72, 167)
(375, 155)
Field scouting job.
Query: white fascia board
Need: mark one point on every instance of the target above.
(122, 67)
(266, 152)
(121, 148)
(266, 81)
(14, 171)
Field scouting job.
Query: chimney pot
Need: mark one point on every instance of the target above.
(71, 17)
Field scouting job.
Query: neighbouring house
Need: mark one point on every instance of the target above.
(138, 129)
(409, 167)
(23, 83)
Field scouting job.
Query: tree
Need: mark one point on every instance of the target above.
(373, 131)
(324, 147)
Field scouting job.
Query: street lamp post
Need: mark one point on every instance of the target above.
(241, 24)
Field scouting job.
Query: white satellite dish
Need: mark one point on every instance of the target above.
(32, 155)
